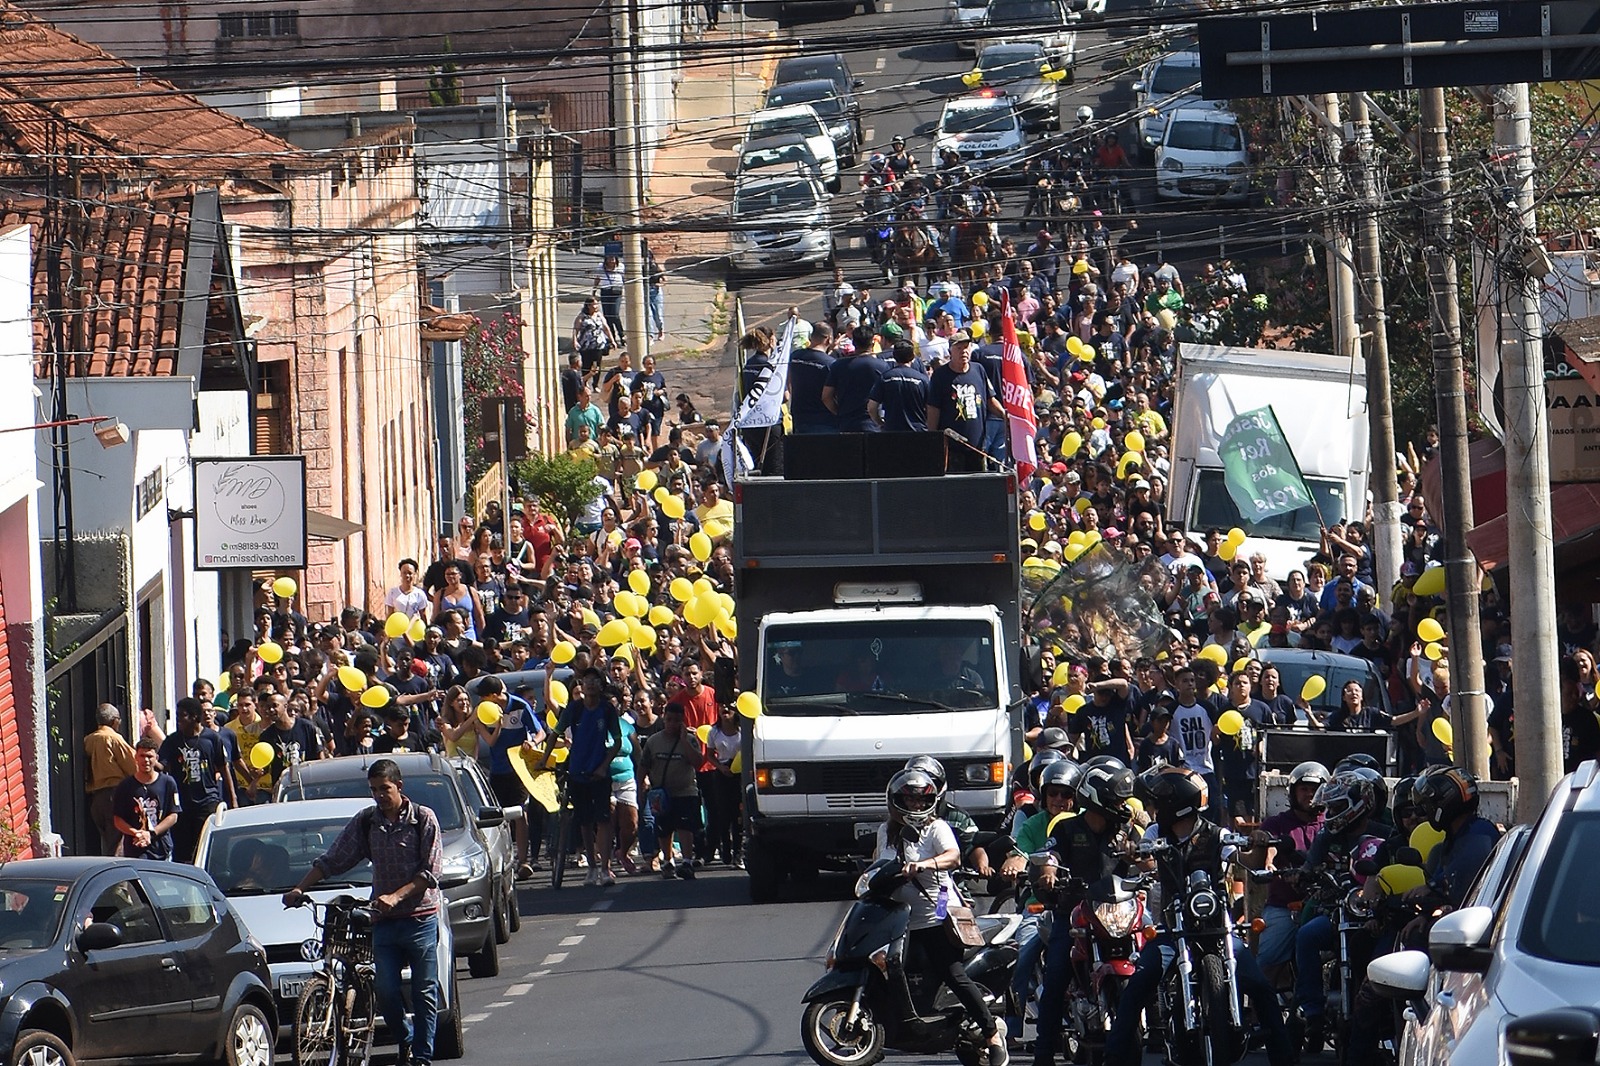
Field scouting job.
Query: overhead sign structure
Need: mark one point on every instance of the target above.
(250, 513)
(1415, 46)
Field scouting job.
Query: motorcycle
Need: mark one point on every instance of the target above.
(1198, 1000)
(1108, 931)
(874, 998)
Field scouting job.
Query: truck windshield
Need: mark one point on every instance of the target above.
(1213, 506)
(898, 666)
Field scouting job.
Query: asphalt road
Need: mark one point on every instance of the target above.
(652, 971)
(904, 93)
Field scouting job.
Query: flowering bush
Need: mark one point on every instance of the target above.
(491, 365)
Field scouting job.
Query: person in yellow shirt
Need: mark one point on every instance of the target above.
(248, 725)
(1151, 424)
(110, 760)
(715, 513)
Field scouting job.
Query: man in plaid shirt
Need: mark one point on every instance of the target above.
(401, 838)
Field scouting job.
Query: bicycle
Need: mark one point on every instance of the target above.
(336, 1014)
(564, 814)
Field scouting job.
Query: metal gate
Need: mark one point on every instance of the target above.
(94, 672)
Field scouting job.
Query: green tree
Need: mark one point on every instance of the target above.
(491, 365)
(564, 483)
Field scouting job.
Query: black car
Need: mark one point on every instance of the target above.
(123, 960)
(828, 66)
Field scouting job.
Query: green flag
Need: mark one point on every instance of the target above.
(1259, 467)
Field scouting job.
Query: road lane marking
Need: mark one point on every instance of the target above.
(584, 923)
(879, 63)
(500, 1003)
(870, 135)
(571, 941)
(886, 7)
(603, 905)
(474, 1019)
(519, 990)
(555, 958)
(540, 973)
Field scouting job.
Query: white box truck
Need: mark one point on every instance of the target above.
(1321, 404)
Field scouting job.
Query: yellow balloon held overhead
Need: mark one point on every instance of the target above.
(672, 507)
(680, 589)
(285, 587)
(700, 611)
(375, 697)
(270, 652)
(1059, 676)
(1425, 838)
(1236, 536)
(661, 615)
(749, 705)
(261, 756)
(1434, 651)
(1230, 723)
(639, 582)
(564, 652)
(703, 584)
(1429, 583)
(395, 626)
(728, 627)
(612, 633)
(1430, 630)
(646, 480)
(1134, 441)
(1444, 732)
(700, 546)
(590, 618)
(352, 679)
(1073, 703)
(559, 696)
(1227, 550)
(1037, 522)
(489, 712)
(980, 299)
(417, 632)
(1315, 686)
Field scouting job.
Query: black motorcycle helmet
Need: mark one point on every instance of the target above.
(913, 798)
(933, 768)
(1040, 760)
(1444, 793)
(1358, 761)
(1405, 799)
(1176, 792)
(1379, 786)
(1063, 773)
(1105, 788)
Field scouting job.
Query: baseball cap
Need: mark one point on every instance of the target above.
(1073, 477)
(961, 336)
(1502, 653)
(1058, 468)
(1141, 484)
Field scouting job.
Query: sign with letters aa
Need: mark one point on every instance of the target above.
(250, 513)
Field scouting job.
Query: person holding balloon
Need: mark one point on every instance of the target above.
(516, 727)
(596, 740)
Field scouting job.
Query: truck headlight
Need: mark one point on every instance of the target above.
(782, 777)
(976, 774)
(1172, 165)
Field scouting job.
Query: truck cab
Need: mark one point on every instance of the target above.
(878, 619)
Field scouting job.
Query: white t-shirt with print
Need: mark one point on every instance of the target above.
(922, 891)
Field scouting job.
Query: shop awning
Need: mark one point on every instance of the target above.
(321, 526)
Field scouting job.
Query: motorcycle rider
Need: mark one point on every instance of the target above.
(1298, 828)
(974, 843)
(1091, 846)
(1033, 804)
(899, 161)
(1179, 796)
(926, 846)
(1351, 804)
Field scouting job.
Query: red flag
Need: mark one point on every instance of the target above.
(1016, 395)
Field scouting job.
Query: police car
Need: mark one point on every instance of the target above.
(985, 130)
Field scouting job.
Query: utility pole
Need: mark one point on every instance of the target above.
(629, 170)
(1384, 484)
(1341, 276)
(1469, 717)
(1530, 540)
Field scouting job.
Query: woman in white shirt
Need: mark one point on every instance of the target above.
(927, 847)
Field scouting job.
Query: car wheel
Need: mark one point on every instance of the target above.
(450, 1038)
(249, 1039)
(485, 962)
(513, 909)
(502, 924)
(36, 1047)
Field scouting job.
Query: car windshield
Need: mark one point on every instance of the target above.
(991, 120)
(808, 70)
(972, 5)
(30, 912)
(1014, 12)
(1173, 78)
(268, 860)
(786, 155)
(1010, 64)
(821, 96)
(879, 667)
(1563, 916)
(430, 790)
(1292, 674)
(1214, 507)
(777, 196)
(779, 125)
(1205, 136)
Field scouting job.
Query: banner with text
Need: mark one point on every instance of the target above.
(1259, 467)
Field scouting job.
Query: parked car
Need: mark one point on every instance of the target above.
(474, 894)
(985, 129)
(1017, 69)
(1202, 156)
(962, 19)
(122, 960)
(256, 854)
(502, 841)
(1166, 84)
(829, 65)
(1527, 940)
(788, 12)
(1048, 21)
(821, 94)
(792, 157)
(779, 220)
(783, 123)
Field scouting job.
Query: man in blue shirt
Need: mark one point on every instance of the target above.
(596, 737)
(808, 373)
(960, 398)
(195, 758)
(951, 304)
(899, 401)
(518, 726)
(849, 386)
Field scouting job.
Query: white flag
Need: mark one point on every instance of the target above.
(735, 458)
(763, 404)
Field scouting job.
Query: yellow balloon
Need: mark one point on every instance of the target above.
(1214, 653)
(980, 299)
(1075, 346)
(1239, 664)
(1059, 676)
(270, 652)
(641, 635)
(1037, 522)
(224, 683)
(1072, 552)
(352, 679)
(1057, 74)
(737, 765)
(1080, 267)
(1434, 651)
(612, 633)
(1091, 538)
(978, 328)
(1098, 423)
(1167, 318)
(1135, 805)
(1444, 732)
(1027, 752)
(639, 582)
(375, 697)
(638, 607)
(1230, 722)
(728, 627)
(590, 618)
(700, 546)
(972, 78)
(1236, 535)
(563, 652)
(703, 732)
(1315, 686)
(1425, 838)
(550, 719)
(646, 480)
(749, 705)
(680, 589)
(672, 507)
(395, 625)
(285, 587)
(1430, 630)
(1396, 880)
(1077, 536)
(1070, 444)
(661, 614)
(1134, 441)
(1429, 583)
(559, 696)
(700, 611)
(1073, 703)
(623, 652)
(261, 755)
(489, 713)
(1227, 550)
(726, 603)
(703, 584)
(418, 631)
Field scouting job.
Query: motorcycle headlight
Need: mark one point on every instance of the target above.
(1204, 905)
(1117, 918)
(862, 885)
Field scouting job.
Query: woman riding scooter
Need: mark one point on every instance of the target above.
(926, 846)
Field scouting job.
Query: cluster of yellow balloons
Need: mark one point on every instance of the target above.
(355, 683)
(1079, 350)
(1230, 547)
(671, 506)
(398, 625)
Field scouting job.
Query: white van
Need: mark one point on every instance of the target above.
(1202, 156)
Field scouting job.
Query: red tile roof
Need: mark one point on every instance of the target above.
(61, 97)
(121, 270)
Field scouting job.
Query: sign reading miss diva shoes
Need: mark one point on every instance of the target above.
(250, 512)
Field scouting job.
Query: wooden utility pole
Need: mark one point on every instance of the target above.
(1469, 717)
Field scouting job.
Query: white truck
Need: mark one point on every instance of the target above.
(878, 619)
(1321, 404)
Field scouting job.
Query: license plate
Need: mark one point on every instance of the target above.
(291, 987)
(867, 829)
